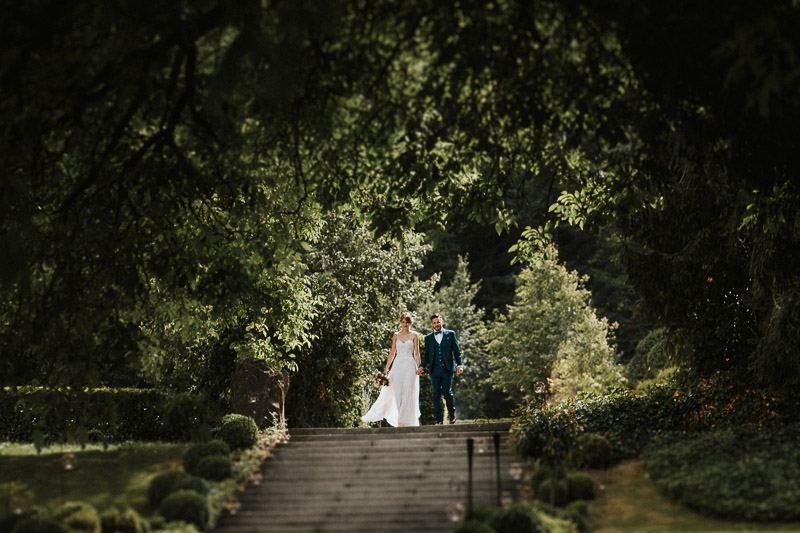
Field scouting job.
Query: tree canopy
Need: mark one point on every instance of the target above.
(166, 165)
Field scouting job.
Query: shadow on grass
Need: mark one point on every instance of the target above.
(117, 477)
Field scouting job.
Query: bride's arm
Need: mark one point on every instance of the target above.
(391, 354)
(416, 349)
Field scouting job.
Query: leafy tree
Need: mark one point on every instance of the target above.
(361, 284)
(164, 166)
(701, 189)
(552, 334)
(475, 397)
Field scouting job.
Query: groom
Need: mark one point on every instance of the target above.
(442, 358)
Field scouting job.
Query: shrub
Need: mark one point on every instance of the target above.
(163, 484)
(38, 523)
(594, 450)
(541, 472)
(516, 518)
(127, 521)
(581, 486)
(555, 491)
(215, 467)
(577, 512)
(78, 517)
(185, 505)
(195, 483)
(473, 526)
(238, 431)
(193, 454)
(83, 521)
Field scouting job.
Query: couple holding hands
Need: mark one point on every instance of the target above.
(398, 401)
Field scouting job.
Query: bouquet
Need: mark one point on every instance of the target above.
(381, 379)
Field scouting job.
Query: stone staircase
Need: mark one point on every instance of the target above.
(375, 480)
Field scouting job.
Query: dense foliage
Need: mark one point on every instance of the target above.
(551, 334)
(167, 170)
(165, 167)
(699, 185)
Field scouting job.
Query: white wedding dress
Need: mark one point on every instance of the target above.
(398, 401)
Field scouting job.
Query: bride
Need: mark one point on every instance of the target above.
(398, 401)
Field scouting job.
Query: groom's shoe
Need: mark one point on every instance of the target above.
(453, 418)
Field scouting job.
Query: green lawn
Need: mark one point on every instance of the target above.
(629, 501)
(118, 476)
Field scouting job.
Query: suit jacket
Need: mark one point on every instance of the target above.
(450, 350)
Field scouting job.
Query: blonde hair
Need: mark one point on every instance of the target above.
(408, 316)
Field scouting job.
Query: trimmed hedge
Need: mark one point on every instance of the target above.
(37, 414)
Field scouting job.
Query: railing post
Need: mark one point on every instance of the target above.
(497, 464)
(470, 445)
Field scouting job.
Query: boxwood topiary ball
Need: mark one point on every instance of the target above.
(195, 483)
(186, 505)
(577, 512)
(83, 521)
(581, 486)
(215, 467)
(127, 521)
(595, 450)
(161, 485)
(195, 452)
(553, 490)
(516, 518)
(239, 431)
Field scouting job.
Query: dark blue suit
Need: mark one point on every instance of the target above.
(441, 361)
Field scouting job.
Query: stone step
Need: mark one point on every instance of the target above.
(399, 451)
(419, 432)
(408, 487)
(448, 428)
(373, 480)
